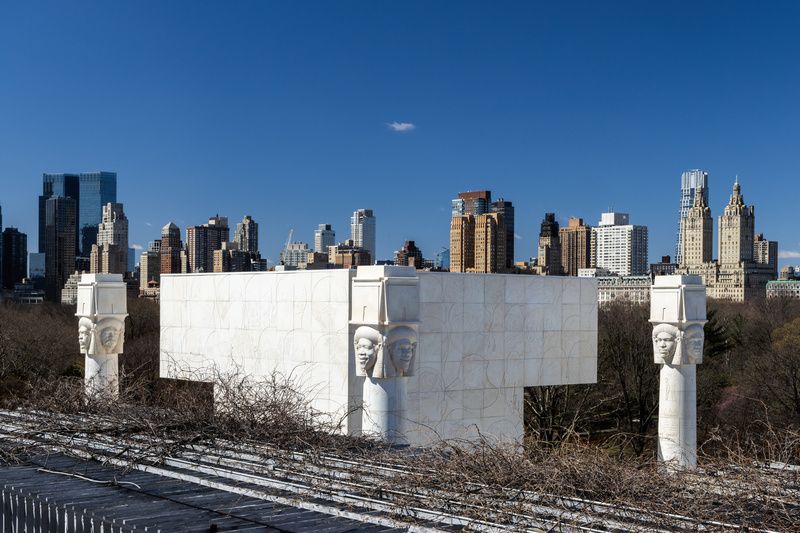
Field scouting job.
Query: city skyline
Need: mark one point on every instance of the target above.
(482, 107)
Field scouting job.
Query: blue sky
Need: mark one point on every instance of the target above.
(282, 110)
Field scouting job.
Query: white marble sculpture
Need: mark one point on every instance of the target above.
(102, 308)
(385, 308)
(678, 313)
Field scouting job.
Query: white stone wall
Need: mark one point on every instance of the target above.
(482, 338)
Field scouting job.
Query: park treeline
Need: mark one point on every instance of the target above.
(748, 385)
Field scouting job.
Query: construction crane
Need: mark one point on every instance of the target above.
(286, 246)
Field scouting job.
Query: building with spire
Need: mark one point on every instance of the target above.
(549, 250)
(737, 274)
(691, 182)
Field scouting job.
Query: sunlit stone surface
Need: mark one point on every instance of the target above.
(481, 339)
(101, 308)
(678, 312)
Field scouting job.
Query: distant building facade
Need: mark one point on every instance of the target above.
(576, 246)
(324, 237)
(246, 236)
(14, 253)
(409, 255)
(348, 255)
(295, 254)
(201, 241)
(150, 269)
(171, 249)
(736, 275)
(619, 246)
(362, 230)
(60, 230)
(691, 182)
(110, 254)
(665, 268)
(549, 249)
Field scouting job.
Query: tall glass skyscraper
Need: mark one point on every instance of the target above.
(690, 181)
(96, 189)
(362, 231)
(91, 191)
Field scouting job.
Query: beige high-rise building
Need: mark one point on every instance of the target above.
(490, 243)
(736, 230)
(766, 252)
(697, 232)
(743, 269)
(576, 246)
(171, 248)
(462, 243)
(110, 254)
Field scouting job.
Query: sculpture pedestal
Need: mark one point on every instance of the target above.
(677, 416)
(384, 408)
(102, 376)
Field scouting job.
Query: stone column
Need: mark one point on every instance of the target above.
(102, 308)
(678, 313)
(384, 314)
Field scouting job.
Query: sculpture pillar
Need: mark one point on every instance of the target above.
(102, 308)
(385, 314)
(678, 313)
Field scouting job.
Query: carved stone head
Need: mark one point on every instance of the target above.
(109, 331)
(691, 352)
(367, 343)
(402, 345)
(666, 338)
(86, 335)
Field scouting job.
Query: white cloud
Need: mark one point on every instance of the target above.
(148, 224)
(137, 247)
(789, 254)
(402, 127)
(518, 236)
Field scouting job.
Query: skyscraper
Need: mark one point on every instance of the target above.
(471, 203)
(736, 230)
(746, 262)
(576, 246)
(362, 231)
(620, 247)
(96, 189)
(324, 236)
(246, 237)
(691, 180)
(462, 243)
(15, 257)
(549, 251)
(91, 191)
(490, 243)
(60, 230)
(697, 233)
(170, 249)
(110, 254)
(201, 241)
(64, 185)
(506, 209)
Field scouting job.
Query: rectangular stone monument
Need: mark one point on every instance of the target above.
(482, 338)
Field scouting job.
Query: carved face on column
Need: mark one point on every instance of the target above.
(367, 342)
(110, 332)
(665, 342)
(402, 345)
(85, 334)
(692, 345)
